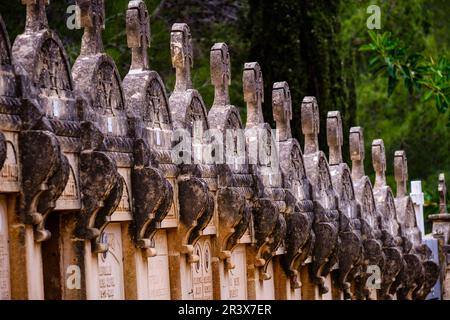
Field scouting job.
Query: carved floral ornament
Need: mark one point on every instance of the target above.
(314, 208)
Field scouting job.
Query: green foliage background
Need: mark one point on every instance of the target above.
(314, 45)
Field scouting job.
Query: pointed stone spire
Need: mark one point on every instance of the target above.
(138, 34)
(310, 124)
(36, 15)
(253, 93)
(92, 14)
(379, 162)
(220, 73)
(334, 137)
(282, 109)
(357, 152)
(182, 55)
(442, 189)
(401, 172)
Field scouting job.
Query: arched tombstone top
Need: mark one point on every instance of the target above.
(253, 87)
(40, 52)
(340, 172)
(405, 208)
(186, 104)
(96, 76)
(144, 90)
(282, 109)
(316, 164)
(222, 115)
(293, 169)
(382, 192)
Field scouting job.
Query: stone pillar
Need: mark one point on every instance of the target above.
(418, 200)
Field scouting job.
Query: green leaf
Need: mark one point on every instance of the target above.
(392, 83)
(427, 96)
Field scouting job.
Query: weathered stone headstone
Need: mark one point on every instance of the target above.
(234, 193)
(326, 215)
(299, 213)
(153, 193)
(385, 204)
(269, 223)
(350, 251)
(370, 225)
(194, 182)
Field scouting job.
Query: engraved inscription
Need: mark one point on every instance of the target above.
(110, 265)
(201, 271)
(237, 277)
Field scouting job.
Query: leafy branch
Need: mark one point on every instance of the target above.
(427, 77)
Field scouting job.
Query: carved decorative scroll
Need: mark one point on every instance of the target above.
(152, 198)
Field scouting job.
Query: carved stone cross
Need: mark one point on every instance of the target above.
(379, 162)
(253, 93)
(138, 34)
(442, 189)
(310, 124)
(92, 13)
(36, 15)
(357, 152)
(401, 172)
(334, 137)
(182, 55)
(282, 109)
(220, 73)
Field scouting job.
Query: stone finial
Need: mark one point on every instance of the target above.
(334, 137)
(282, 109)
(92, 14)
(182, 55)
(36, 15)
(401, 172)
(442, 189)
(220, 73)
(253, 93)
(357, 152)
(310, 124)
(379, 162)
(138, 33)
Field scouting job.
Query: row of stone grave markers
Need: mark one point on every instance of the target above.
(94, 206)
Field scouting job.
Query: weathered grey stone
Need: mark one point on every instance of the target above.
(351, 247)
(326, 215)
(299, 215)
(392, 241)
(370, 220)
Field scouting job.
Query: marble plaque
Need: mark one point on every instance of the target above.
(110, 265)
(158, 269)
(9, 175)
(236, 279)
(202, 271)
